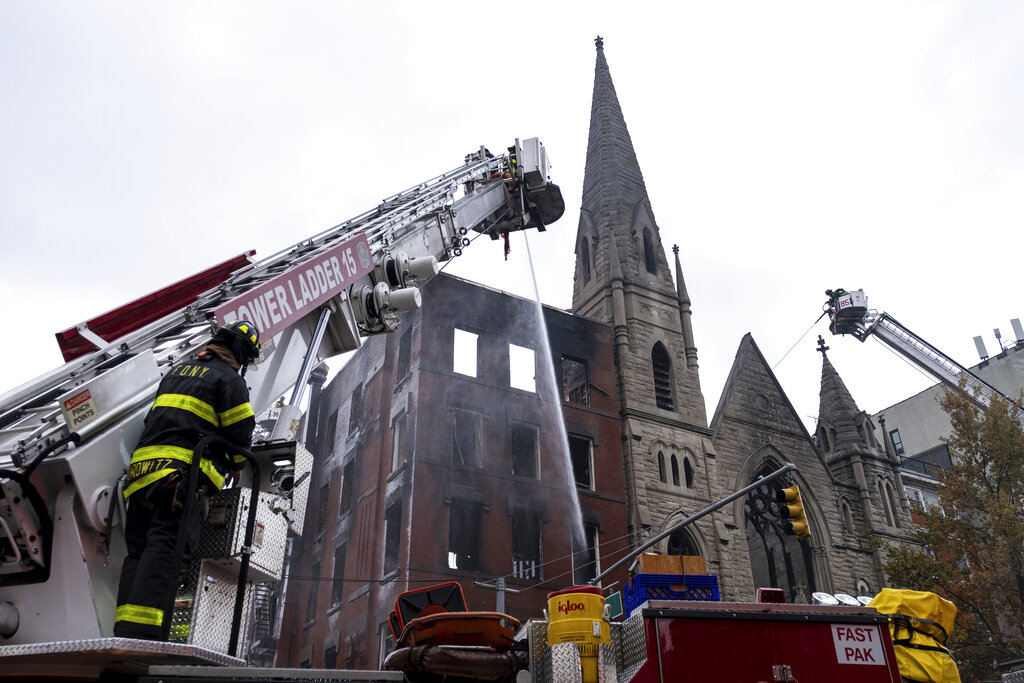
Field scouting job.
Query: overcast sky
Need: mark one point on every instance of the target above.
(787, 147)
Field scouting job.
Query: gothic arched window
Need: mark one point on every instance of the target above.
(889, 503)
(682, 542)
(675, 470)
(662, 365)
(687, 473)
(661, 467)
(847, 517)
(649, 262)
(777, 559)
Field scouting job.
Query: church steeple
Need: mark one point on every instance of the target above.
(612, 182)
(838, 410)
(615, 207)
(623, 279)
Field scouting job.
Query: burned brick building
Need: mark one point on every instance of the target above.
(442, 455)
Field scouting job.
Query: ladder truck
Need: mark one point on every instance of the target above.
(848, 313)
(67, 436)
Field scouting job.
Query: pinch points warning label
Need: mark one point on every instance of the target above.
(79, 409)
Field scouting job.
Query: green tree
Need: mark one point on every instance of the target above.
(974, 542)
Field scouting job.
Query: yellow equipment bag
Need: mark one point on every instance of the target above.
(920, 623)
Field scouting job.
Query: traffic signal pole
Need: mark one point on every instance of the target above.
(788, 467)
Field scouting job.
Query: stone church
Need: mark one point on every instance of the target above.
(676, 462)
(427, 472)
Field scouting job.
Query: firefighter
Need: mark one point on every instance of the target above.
(197, 397)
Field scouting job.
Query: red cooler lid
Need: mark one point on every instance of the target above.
(596, 590)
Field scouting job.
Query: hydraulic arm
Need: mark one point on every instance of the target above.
(849, 314)
(65, 437)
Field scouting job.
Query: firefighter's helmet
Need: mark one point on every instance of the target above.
(242, 338)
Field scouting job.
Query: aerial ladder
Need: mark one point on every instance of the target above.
(849, 314)
(66, 437)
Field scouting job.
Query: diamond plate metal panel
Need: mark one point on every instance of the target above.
(118, 648)
(560, 663)
(1014, 677)
(223, 534)
(633, 646)
(537, 634)
(300, 492)
(205, 608)
(607, 668)
(564, 663)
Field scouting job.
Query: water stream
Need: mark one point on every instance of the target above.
(547, 388)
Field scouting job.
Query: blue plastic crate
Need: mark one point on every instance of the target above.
(644, 587)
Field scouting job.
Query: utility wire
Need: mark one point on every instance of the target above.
(799, 340)
(611, 553)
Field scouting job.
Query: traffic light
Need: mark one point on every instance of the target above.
(791, 507)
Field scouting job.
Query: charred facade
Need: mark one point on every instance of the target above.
(454, 450)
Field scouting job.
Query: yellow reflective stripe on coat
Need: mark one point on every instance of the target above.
(154, 452)
(192, 404)
(140, 614)
(144, 481)
(236, 414)
(174, 453)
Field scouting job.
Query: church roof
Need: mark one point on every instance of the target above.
(752, 393)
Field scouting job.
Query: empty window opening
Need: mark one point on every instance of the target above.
(661, 468)
(675, 470)
(465, 437)
(526, 544)
(662, 365)
(649, 261)
(355, 414)
(347, 487)
(586, 561)
(399, 446)
(392, 536)
(524, 451)
(325, 503)
(522, 368)
(575, 381)
(314, 585)
(338, 580)
(465, 519)
(581, 454)
(332, 433)
(687, 473)
(465, 348)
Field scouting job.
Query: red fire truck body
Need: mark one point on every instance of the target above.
(754, 642)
